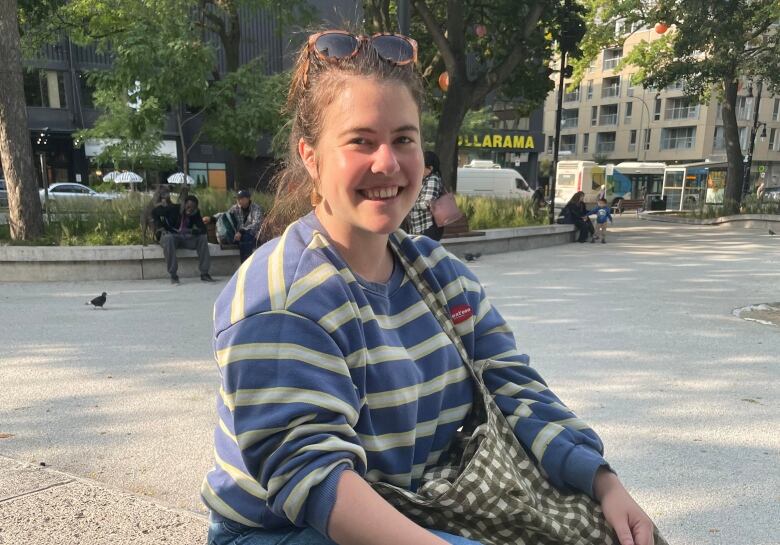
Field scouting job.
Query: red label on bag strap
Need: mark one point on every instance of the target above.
(461, 313)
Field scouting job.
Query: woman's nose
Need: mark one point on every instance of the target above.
(385, 161)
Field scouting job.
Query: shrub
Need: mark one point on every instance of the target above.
(118, 222)
(493, 213)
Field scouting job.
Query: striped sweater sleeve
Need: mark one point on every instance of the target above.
(292, 405)
(568, 450)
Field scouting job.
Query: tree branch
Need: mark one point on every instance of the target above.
(490, 79)
(442, 44)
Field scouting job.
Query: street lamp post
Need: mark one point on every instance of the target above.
(557, 138)
(751, 144)
(640, 140)
(404, 16)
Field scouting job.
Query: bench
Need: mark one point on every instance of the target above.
(621, 205)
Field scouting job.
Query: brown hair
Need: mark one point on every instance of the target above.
(315, 85)
(576, 198)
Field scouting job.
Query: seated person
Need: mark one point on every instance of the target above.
(247, 217)
(177, 228)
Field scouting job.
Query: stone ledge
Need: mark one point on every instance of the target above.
(69, 263)
(750, 221)
(496, 241)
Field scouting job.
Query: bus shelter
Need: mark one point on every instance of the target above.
(689, 187)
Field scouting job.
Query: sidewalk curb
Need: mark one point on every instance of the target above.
(53, 507)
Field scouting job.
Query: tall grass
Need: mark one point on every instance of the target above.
(492, 213)
(91, 222)
(750, 205)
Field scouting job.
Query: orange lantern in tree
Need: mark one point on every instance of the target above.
(480, 30)
(660, 28)
(444, 81)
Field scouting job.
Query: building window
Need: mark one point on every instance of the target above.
(678, 138)
(648, 134)
(612, 57)
(570, 118)
(44, 88)
(774, 140)
(590, 89)
(569, 143)
(609, 114)
(605, 142)
(86, 91)
(718, 140)
(572, 96)
(550, 143)
(681, 108)
(776, 110)
(610, 87)
(585, 142)
(745, 108)
(629, 112)
(676, 86)
(632, 140)
(658, 107)
(594, 115)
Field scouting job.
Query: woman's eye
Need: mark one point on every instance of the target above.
(359, 141)
(404, 140)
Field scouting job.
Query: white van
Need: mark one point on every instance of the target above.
(487, 179)
(573, 176)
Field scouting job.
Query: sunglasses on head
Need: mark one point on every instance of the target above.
(338, 45)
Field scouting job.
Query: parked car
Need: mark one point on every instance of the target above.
(772, 194)
(486, 179)
(74, 192)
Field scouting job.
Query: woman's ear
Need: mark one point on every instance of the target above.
(309, 157)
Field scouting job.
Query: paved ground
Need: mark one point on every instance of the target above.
(637, 335)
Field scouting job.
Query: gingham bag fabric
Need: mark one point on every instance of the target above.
(486, 488)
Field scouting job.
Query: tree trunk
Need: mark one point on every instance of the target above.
(24, 204)
(452, 114)
(732, 195)
(185, 167)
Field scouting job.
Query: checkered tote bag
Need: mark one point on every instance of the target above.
(486, 487)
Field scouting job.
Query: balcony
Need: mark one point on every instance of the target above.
(608, 119)
(605, 147)
(611, 91)
(570, 123)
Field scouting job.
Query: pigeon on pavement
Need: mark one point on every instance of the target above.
(98, 301)
(772, 232)
(472, 257)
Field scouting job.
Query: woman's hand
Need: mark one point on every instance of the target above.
(631, 524)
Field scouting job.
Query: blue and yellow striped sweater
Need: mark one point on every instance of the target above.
(322, 371)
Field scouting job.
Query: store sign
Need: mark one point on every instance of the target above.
(518, 141)
(94, 147)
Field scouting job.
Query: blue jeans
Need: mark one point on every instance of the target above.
(232, 533)
(246, 246)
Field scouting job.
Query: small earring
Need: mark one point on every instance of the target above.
(316, 198)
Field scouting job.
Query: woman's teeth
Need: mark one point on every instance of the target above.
(381, 193)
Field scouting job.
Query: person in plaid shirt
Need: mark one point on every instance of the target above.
(420, 218)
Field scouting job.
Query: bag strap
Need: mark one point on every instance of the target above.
(437, 302)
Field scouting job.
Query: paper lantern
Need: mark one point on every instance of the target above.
(660, 28)
(480, 30)
(444, 81)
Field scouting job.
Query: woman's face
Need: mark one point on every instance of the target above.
(368, 162)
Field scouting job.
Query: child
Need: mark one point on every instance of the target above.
(603, 214)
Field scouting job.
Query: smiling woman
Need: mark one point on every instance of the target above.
(347, 349)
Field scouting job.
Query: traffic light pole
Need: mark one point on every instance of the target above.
(557, 139)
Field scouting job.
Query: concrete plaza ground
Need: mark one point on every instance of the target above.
(636, 335)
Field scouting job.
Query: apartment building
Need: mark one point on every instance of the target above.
(607, 118)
